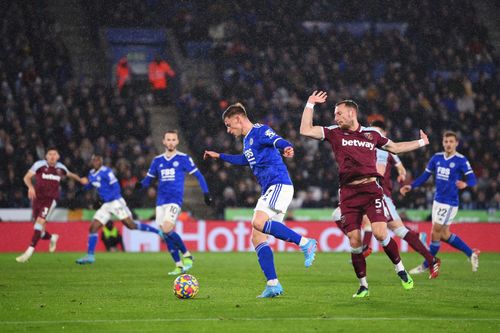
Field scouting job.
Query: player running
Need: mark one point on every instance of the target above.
(170, 169)
(448, 168)
(385, 162)
(360, 194)
(104, 180)
(261, 147)
(48, 174)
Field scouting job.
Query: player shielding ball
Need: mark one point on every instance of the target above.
(360, 194)
(104, 180)
(48, 174)
(170, 169)
(448, 168)
(261, 151)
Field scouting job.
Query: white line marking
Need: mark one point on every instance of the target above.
(116, 321)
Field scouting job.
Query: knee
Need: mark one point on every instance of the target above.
(258, 224)
(94, 227)
(167, 227)
(354, 242)
(380, 234)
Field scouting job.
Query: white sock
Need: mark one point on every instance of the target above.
(399, 266)
(363, 282)
(187, 254)
(303, 241)
(273, 282)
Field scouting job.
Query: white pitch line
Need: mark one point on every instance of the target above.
(116, 321)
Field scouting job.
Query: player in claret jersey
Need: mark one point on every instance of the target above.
(360, 194)
(48, 174)
(385, 162)
(448, 168)
(261, 151)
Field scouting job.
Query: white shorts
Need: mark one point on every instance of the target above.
(443, 213)
(275, 201)
(391, 213)
(116, 207)
(167, 213)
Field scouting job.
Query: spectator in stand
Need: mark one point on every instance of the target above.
(158, 72)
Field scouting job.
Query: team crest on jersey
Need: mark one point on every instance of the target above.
(251, 141)
(342, 219)
(176, 164)
(270, 133)
(161, 165)
(369, 136)
(452, 164)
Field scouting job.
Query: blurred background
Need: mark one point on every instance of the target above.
(110, 77)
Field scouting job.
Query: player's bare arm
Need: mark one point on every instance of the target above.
(406, 146)
(210, 154)
(306, 125)
(401, 172)
(29, 183)
(405, 189)
(76, 177)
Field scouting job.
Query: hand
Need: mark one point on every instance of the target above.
(210, 154)
(424, 137)
(207, 198)
(461, 184)
(401, 178)
(31, 193)
(288, 152)
(405, 189)
(317, 97)
(84, 181)
(138, 186)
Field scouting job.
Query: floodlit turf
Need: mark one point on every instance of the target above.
(126, 292)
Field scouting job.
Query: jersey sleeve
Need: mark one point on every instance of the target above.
(189, 165)
(152, 170)
(431, 166)
(37, 165)
(380, 140)
(328, 133)
(111, 177)
(466, 168)
(396, 159)
(382, 156)
(62, 167)
(268, 137)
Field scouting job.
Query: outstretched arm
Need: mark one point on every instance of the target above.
(416, 183)
(233, 159)
(406, 146)
(83, 181)
(306, 125)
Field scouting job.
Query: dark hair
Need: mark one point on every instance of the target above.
(450, 133)
(53, 148)
(349, 103)
(171, 132)
(234, 109)
(379, 124)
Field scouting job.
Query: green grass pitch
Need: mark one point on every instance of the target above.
(131, 292)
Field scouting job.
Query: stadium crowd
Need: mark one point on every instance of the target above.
(437, 73)
(429, 67)
(42, 105)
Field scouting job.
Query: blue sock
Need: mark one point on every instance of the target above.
(266, 260)
(459, 244)
(146, 227)
(433, 249)
(172, 248)
(281, 231)
(92, 243)
(176, 238)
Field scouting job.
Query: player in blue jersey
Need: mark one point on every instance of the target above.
(449, 168)
(104, 180)
(170, 169)
(261, 151)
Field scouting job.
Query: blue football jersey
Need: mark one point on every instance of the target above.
(171, 173)
(259, 148)
(446, 172)
(106, 183)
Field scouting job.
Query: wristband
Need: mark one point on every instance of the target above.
(421, 143)
(310, 105)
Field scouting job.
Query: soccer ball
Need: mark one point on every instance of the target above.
(186, 286)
